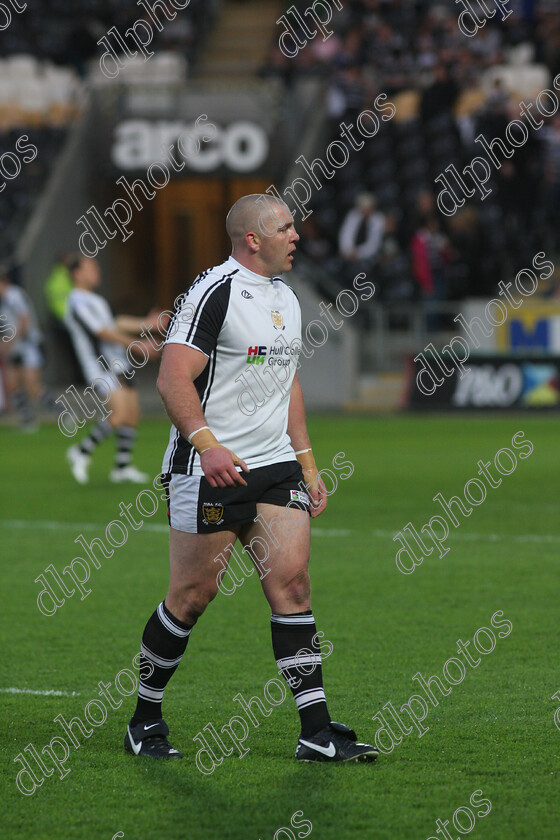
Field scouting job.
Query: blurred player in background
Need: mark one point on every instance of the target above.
(96, 333)
(21, 348)
(238, 308)
(58, 286)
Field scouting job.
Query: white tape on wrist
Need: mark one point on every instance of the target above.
(192, 434)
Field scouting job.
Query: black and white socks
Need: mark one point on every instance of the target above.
(298, 657)
(98, 434)
(126, 438)
(163, 645)
(297, 653)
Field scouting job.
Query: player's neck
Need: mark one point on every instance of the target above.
(252, 264)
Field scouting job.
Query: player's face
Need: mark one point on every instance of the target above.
(276, 251)
(90, 273)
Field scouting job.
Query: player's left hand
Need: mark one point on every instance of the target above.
(317, 492)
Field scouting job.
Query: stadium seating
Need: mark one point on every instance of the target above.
(46, 53)
(447, 88)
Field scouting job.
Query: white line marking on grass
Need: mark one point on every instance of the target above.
(465, 535)
(53, 525)
(51, 692)
(331, 532)
(153, 527)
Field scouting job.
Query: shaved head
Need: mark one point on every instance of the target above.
(262, 233)
(254, 213)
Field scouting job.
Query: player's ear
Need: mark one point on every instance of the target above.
(253, 241)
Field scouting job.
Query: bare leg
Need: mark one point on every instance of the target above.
(193, 572)
(287, 533)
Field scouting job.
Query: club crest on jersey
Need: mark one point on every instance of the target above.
(277, 319)
(212, 514)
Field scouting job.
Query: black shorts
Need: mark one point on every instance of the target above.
(195, 507)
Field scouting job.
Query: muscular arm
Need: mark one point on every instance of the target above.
(180, 366)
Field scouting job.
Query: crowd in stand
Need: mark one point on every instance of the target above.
(68, 36)
(379, 212)
(394, 46)
(44, 51)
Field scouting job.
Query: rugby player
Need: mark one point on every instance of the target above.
(22, 351)
(232, 476)
(95, 334)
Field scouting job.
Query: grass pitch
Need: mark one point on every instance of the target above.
(494, 732)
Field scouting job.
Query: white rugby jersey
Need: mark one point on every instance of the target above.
(87, 313)
(249, 326)
(15, 304)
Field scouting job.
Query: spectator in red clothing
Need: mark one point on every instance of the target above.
(431, 253)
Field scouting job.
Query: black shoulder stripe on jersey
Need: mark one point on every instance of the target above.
(92, 338)
(198, 278)
(171, 459)
(208, 298)
(217, 295)
(183, 454)
(180, 300)
(288, 287)
(203, 387)
(206, 396)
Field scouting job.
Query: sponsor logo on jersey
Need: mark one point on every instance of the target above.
(299, 496)
(246, 294)
(277, 319)
(256, 354)
(212, 514)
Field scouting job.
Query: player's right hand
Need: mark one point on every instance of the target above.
(218, 465)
